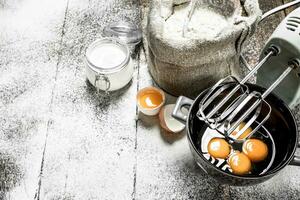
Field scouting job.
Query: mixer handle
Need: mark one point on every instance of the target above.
(264, 16)
(278, 9)
(180, 104)
(296, 160)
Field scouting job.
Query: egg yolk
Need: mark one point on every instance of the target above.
(244, 134)
(239, 163)
(150, 99)
(218, 148)
(255, 149)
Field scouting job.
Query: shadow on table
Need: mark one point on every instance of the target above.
(103, 100)
(147, 121)
(171, 137)
(153, 121)
(10, 174)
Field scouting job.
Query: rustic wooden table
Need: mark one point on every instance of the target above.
(60, 140)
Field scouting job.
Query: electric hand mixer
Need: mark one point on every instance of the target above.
(229, 103)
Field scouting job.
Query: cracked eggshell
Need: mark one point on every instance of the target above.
(168, 122)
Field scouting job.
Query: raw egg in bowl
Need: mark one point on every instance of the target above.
(218, 148)
(255, 149)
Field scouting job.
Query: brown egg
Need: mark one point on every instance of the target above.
(255, 149)
(239, 163)
(245, 133)
(218, 148)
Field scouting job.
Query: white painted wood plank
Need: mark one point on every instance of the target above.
(29, 38)
(90, 150)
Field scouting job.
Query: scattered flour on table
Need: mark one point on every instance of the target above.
(204, 24)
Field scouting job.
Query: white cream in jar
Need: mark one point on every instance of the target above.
(109, 66)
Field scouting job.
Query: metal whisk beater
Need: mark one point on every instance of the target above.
(229, 102)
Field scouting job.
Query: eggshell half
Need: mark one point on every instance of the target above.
(168, 122)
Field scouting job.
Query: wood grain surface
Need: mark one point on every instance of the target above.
(60, 139)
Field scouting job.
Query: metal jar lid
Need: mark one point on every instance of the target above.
(106, 42)
(127, 32)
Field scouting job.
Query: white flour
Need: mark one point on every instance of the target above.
(204, 24)
(107, 56)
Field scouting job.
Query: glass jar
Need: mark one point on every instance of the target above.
(109, 66)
